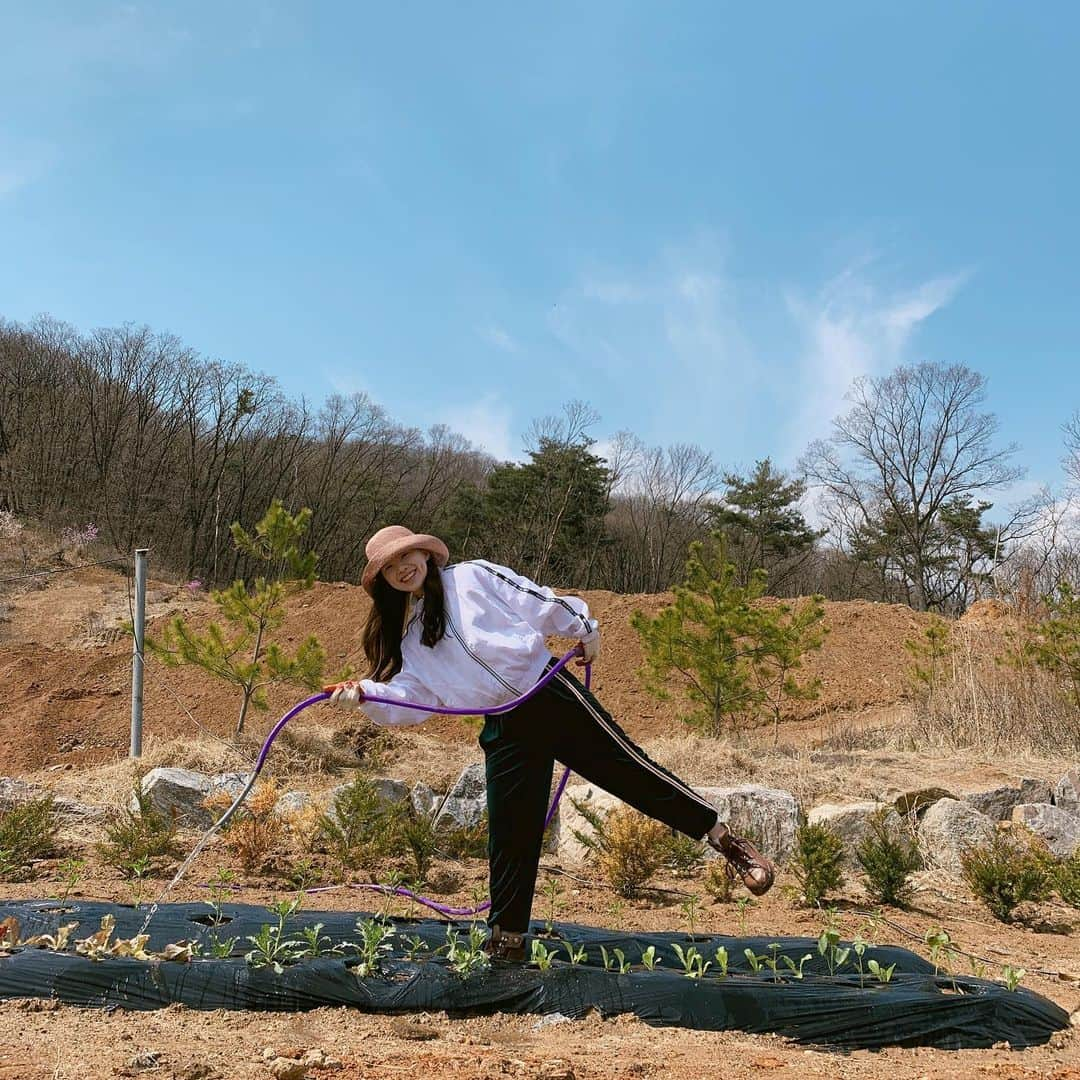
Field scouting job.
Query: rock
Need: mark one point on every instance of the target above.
(229, 783)
(1067, 792)
(1041, 918)
(948, 830)
(292, 802)
(1035, 791)
(851, 822)
(77, 811)
(424, 799)
(287, 1069)
(1059, 828)
(15, 792)
(767, 816)
(920, 800)
(466, 802)
(569, 848)
(390, 790)
(551, 1020)
(997, 803)
(180, 792)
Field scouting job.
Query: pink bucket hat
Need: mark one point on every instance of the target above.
(394, 540)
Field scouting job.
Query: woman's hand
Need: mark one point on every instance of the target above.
(345, 695)
(590, 648)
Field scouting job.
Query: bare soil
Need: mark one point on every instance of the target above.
(65, 679)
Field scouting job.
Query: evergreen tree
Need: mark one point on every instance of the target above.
(763, 523)
(737, 658)
(239, 649)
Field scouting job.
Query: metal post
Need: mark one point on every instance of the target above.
(137, 656)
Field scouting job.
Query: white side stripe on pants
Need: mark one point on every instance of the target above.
(630, 749)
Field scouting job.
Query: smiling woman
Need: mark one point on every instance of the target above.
(474, 634)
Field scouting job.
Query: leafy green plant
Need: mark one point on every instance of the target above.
(375, 944)
(239, 649)
(468, 956)
(755, 961)
(694, 964)
(414, 946)
(817, 861)
(828, 947)
(939, 943)
(879, 971)
(691, 908)
(721, 957)
(887, 861)
(796, 969)
(27, 832)
(314, 943)
(552, 892)
(138, 833)
(626, 845)
(616, 960)
(742, 905)
(271, 947)
(649, 959)
(1013, 976)
(1005, 873)
(541, 955)
(578, 954)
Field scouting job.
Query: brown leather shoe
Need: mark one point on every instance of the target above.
(752, 868)
(505, 946)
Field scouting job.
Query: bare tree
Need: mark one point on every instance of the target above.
(915, 446)
(1072, 447)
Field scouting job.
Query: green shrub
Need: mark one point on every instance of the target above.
(419, 837)
(681, 853)
(627, 846)
(136, 836)
(363, 827)
(719, 881)
(819, 853)
(1066, 878)
(1006, 872)
(27, 832)
(464, 841)
(887, 861)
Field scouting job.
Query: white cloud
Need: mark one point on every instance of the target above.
(497, 336)
(849, 329)
(486, 423)
(667, 332)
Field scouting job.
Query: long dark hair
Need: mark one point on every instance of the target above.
(385, 625)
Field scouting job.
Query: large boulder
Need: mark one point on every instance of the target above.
(571, 820)
(918, 800)
(1066, 792)
(388, 792)
(466, 802)
(1058, 828)
(996, 803)
(948, 830)
(767, 816)
(14, 792)
(424, 799)
(180, 793)
(851, 822)
(292, 802)
(1035, 791)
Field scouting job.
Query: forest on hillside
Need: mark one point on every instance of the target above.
(159, 447)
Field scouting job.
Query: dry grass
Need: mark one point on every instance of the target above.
(987, 697)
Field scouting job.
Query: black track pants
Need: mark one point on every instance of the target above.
(564, 722)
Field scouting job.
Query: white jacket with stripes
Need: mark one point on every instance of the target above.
(493, 649)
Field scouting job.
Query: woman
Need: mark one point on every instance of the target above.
(474, 635)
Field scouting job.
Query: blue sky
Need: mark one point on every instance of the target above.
(702, 218)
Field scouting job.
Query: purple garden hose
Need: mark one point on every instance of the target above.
(443, 909)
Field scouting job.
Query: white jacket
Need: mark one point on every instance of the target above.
(493, 649)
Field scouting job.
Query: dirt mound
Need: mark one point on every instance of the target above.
(65, 667)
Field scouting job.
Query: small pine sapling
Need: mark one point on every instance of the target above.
(817, 862)
(887, 860)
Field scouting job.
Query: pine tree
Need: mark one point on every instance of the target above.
(737, 658)
(239, 649)
(763, 523)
